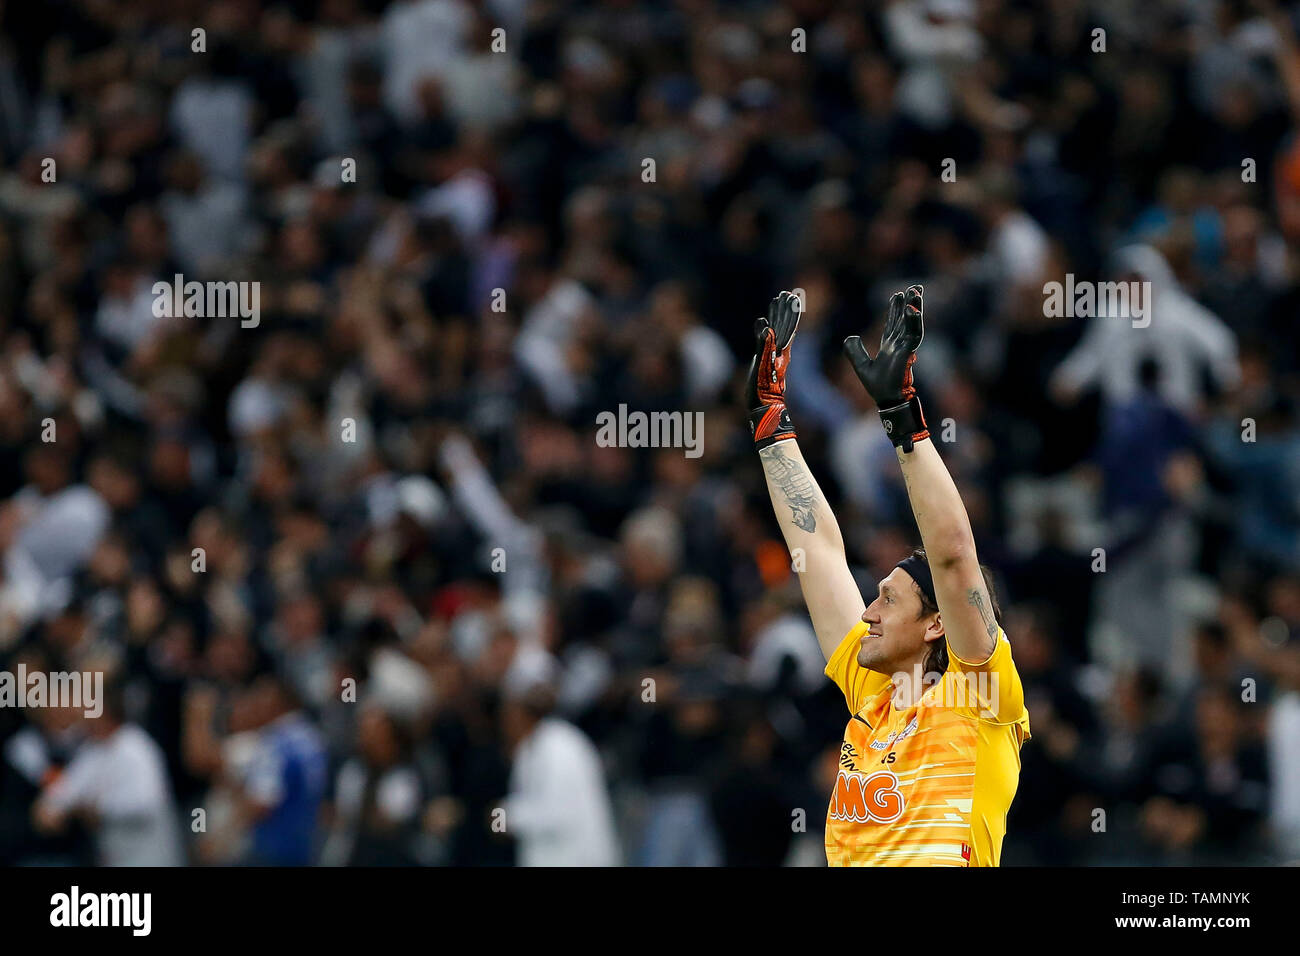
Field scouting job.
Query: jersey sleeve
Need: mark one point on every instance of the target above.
(858, 683)
(991, 690)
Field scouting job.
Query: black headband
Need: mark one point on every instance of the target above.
(919, 569)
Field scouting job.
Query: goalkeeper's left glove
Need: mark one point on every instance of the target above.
(888, 377)
(769, 421)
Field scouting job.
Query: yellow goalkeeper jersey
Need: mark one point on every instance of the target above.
(929, 785)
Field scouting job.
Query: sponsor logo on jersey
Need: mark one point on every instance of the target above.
(896, 736)
(848, 756)
(863, 798)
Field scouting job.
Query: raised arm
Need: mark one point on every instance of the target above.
(965, 607)
(811, 533)
(964, 603)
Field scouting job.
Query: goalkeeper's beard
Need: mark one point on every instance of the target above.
(880, 653)
(873, 652)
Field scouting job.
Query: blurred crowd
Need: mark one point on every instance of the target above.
(366, 588)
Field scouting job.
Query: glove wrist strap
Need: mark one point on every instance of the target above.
(905, 423)
(769, 424)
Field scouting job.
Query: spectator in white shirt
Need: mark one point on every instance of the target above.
(1187, 339)
(117, 782)
(558, 809)
(420, 37)
(53, 527)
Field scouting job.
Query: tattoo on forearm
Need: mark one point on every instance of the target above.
(794, 482)
(975, 598)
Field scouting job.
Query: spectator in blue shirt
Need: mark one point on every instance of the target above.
(286, 783)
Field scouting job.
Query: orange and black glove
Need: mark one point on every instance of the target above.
(888, 377)
(765, 388)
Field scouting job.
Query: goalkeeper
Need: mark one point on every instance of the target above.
(931, 753)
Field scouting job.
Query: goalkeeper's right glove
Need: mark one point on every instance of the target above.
(888, 377)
